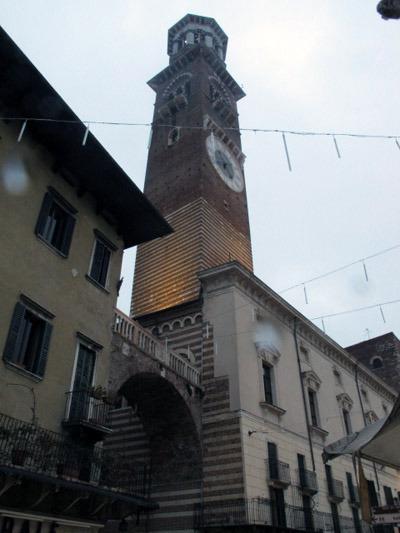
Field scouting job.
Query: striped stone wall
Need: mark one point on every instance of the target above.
(166, 269)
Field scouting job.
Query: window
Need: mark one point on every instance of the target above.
(101, 259)
(335, 518)
(268, 386)
(377, 362)
(56, 222)
(173, 136)
(347, 422)
(28, 338)
(312, 401)
(85, 362)
(373, 497)
(388, 495)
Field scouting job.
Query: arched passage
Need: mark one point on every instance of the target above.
(168, 424)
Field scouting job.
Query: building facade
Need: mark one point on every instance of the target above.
(275, 388)
(66, 213)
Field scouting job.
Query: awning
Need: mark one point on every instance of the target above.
(379, 442)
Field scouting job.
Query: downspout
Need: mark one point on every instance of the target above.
(303, 393)
(365, 425)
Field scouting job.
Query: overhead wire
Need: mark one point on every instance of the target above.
(340, 268)
(197, 127)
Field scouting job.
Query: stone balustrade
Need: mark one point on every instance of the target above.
(132, 331)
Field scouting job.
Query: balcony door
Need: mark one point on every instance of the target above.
(278, 508)
(83, 380)
(273, 460)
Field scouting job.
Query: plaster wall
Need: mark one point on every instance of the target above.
(30, 267)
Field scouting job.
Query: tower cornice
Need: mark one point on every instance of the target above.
(189, 55)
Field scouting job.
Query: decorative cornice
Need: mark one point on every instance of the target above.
(311, 380)
(185, 58)
(268, 352)
(344, 401)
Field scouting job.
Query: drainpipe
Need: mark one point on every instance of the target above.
(365, 424)
(303, 393)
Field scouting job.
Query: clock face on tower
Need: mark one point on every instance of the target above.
(226, 165)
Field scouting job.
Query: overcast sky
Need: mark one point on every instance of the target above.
(315, 65)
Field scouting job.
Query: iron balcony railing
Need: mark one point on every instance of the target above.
(264, 512)
(335, 489)
(28, 447)
(278, 472)
(82, 407)
(307, 480)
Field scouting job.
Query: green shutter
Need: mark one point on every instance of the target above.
(13, 342)
(95, 271)
(44, 212)
(69, 228)
(41, 361)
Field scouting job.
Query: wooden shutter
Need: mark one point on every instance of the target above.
(97, 262)
(68, 231)
(40, 365)
(44, 212)
(13, 343)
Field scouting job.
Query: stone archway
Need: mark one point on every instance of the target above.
(169, 426)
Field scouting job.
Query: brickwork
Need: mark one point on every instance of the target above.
(382, 356)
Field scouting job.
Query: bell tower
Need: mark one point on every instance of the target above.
(194, 173)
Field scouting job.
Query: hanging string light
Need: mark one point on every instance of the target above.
(343, 267)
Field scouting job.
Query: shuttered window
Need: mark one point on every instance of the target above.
(312, 400)
(28, 340)
(268, 386)
(100, 262)
(56, 222)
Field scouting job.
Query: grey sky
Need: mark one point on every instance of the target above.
(329, 65)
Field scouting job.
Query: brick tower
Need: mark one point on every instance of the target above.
(194, 171)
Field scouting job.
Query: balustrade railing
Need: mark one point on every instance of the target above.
(29, 447)
(307, 480)
(260, 511)
(335, 489)
(140, 337)
(278, 471)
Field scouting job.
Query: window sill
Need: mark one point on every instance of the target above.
(22, 371)
(273, 408)
(316, 430)
(55, 251)
(97, 284)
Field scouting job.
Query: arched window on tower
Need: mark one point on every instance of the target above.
(377, 362)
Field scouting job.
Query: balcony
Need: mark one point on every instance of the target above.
(335, 491)
(263, 513)
(133, 332)
(31, 453)
(87, 416)
(278, 473)
(307, 481)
